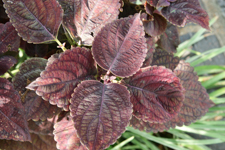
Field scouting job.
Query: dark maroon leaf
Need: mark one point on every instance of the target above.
(62, 75)
(120, 47)
(169, 40)
(89, 16)
(6, 62)
(100, 112)
(183, 11)
(151, 48)
(149, 9)
(155, 27)
(156, 94)
(13, 124)
(39, 142)
(36, 21)
(163, 58)
(160, 3)
(66, 135)
(36, 108)
(9, 40)
(29, 71)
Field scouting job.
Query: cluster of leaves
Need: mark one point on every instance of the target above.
(110, 74)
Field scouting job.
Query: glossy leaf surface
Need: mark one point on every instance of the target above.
(29, 71)
(120, 46)
(89, 16)
(183, 11)
(156, 94)
(9, 40)
(36, 21)
(100, 112)
(13, 124)
(163, 58)
(6, 62)
(39, 142)
(169, 40)
(62, 75)
(66, 135)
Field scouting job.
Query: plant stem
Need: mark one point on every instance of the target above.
(10, 73)
(60, 45)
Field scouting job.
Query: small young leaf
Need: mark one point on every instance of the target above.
(169, 40)
(89, 16)
(66, 135)
(156, 94)
(9, 40)
(100, 112)
(13, 124)
(36, 21)
(62, 75)
(183, 11)
(6, 62)
(163, 58)
(120, 46)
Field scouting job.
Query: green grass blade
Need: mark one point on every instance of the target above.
(123, 143)
(209, 69)
(218, 92)
(209, 83)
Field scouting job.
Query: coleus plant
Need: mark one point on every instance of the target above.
(116, 69)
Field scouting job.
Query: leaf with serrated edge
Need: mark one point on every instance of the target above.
(62, 74)
(183, 11)
(120, 46)
(156, 94)
(88, 16)
(36, 21)
(9, 40)
(13, 124)
(6, 62)
(66, 135)
(164, 58)
(100, 112)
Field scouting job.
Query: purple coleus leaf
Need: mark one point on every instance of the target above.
(62, 74)
(100, 112)
(6, 62)
(66, 135)
(156, 94)
(120, 47)
(164, 58)
(160, 3)
(183, 11)
(195, 105)
(9, 40)
(151, 48)
(88, 16)
(13, 124)
(36, 21)
(169, 40)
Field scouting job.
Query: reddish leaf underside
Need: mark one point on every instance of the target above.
(36, 21)
(13, 124)
(88, 16)
(6, 62)
(183, 11)
(163, 58)
(156, 94)
(62, 74)
(66, 135)
(9, 40)
(100, 112)
(120, 47)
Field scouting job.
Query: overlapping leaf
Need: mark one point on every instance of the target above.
(9, 40)
(120, 47)
(164, 58)
(39, 142)
(36, 21)
(156, 94)
(62, 75)
(6, 62)
(169, 40)
(88, 16)
(100, 112)
(151, 48)
(183, 11)
(66, 135)
(13, 124)
(160, 3)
